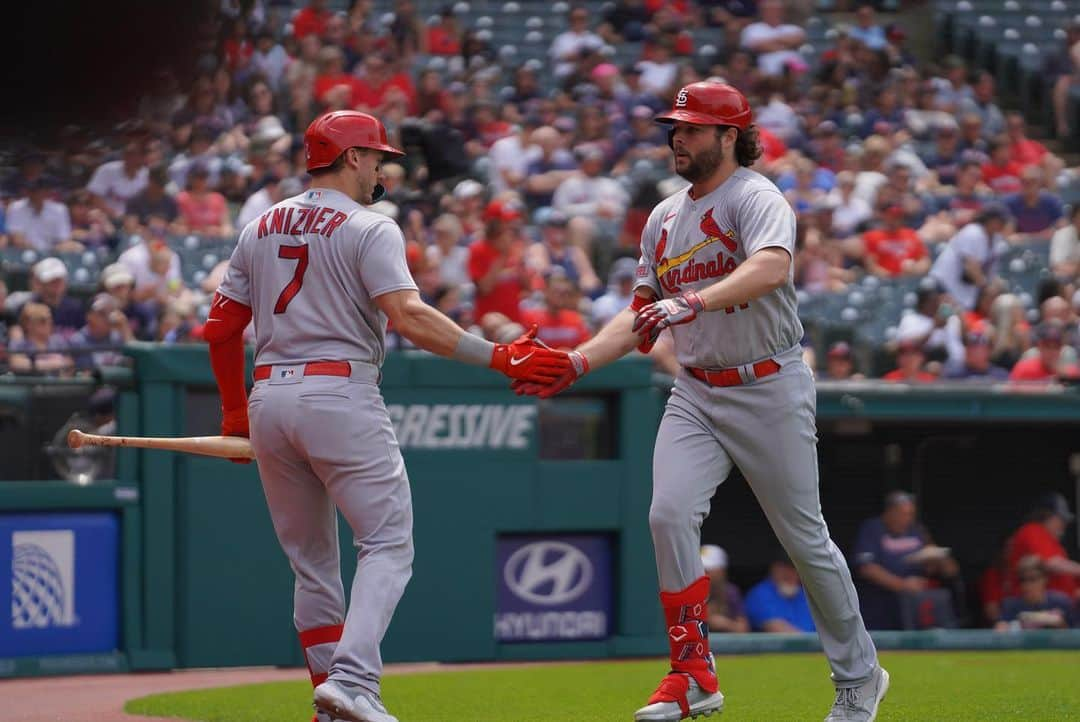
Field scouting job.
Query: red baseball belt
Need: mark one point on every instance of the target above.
(312, 368)
(731, 376)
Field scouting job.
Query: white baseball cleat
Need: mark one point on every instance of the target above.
(339, 705)
(701, 704)
(860, 704)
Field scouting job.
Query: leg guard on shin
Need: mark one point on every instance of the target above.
(686, 613)
(319, 644)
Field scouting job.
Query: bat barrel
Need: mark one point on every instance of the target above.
(76, 439)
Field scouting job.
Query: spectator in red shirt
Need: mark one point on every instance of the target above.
(203, 210)
(1001, 173)
(1028, 152)
(311, 20)
(1043, 367)
(380, 83)
(335, 88)
(894, 250)
(444, 38)
(909, 365)
(1041, 536)
(559, 324)
(497, 263)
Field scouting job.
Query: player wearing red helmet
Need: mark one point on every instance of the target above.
(321, 274)
(716, 269)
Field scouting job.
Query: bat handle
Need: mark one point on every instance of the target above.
(76, 439)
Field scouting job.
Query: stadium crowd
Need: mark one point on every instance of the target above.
(527, 183)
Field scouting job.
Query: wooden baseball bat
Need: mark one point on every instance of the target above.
(226, 447)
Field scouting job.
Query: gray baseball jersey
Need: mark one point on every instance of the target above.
(688, 244)
(765, 426)
(309, 268)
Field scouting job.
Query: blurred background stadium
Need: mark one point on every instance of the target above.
(899, 130)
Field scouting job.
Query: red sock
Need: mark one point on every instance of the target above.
(686, 613)
(319, 645)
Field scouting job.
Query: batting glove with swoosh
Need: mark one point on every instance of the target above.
(658, 315)
(528, 359)
(579, 366)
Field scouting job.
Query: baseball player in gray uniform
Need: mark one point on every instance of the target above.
(321, 275)
(716, 269)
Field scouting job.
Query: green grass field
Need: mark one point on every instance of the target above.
(926, 686)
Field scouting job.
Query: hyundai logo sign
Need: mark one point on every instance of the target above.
(548, 573)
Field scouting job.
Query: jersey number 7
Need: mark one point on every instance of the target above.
(298, 253)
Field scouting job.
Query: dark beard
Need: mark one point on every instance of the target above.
(703, 165)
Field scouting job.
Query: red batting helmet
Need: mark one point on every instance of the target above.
(710, 103)
(332, 134)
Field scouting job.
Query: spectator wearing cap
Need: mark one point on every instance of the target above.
(774, 42)
(408, 30)
(446, 253)
(468, 205)
(590, 193)
(944, 158)
(610, 95)
(554, 251)
(114, 182)
(1041, 535)
(1065, 247)
(619, 294)
(559, 323)
(926, 121)
(1043, 366)
(972, 141)
(202, 210)
(31, 169)
(933, 325)
(976, 364)
(961, 203)
(444, 37)
(40, 223)
(553, 165)
(886, 116)
(49, 286)
(311, 20)
(726, 613)
(643, 140)
(969, 261)
(118, 281)
(497, 265)
(980, 101)
(40, 350)
(898, 567)
(826, 146)
(802, 189)
(569, 45)
(106, 326)
(840, 363)
(778, 603)
(1035, 606)
(335, 88)
(952, 85)
(910, 360)
(1037, 212)
(153, 206)
(895, 250)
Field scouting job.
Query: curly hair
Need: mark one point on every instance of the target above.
(748, 147)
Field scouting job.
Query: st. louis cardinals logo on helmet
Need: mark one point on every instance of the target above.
(680, 99)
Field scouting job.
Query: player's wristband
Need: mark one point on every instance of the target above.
(472, 349)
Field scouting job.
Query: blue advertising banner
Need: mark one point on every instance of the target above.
(59, 588)
(553, 588)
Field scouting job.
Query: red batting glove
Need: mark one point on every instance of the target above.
(527, 359)
(658, 315)
(579, 366)
(638, 303)
(235, 423)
